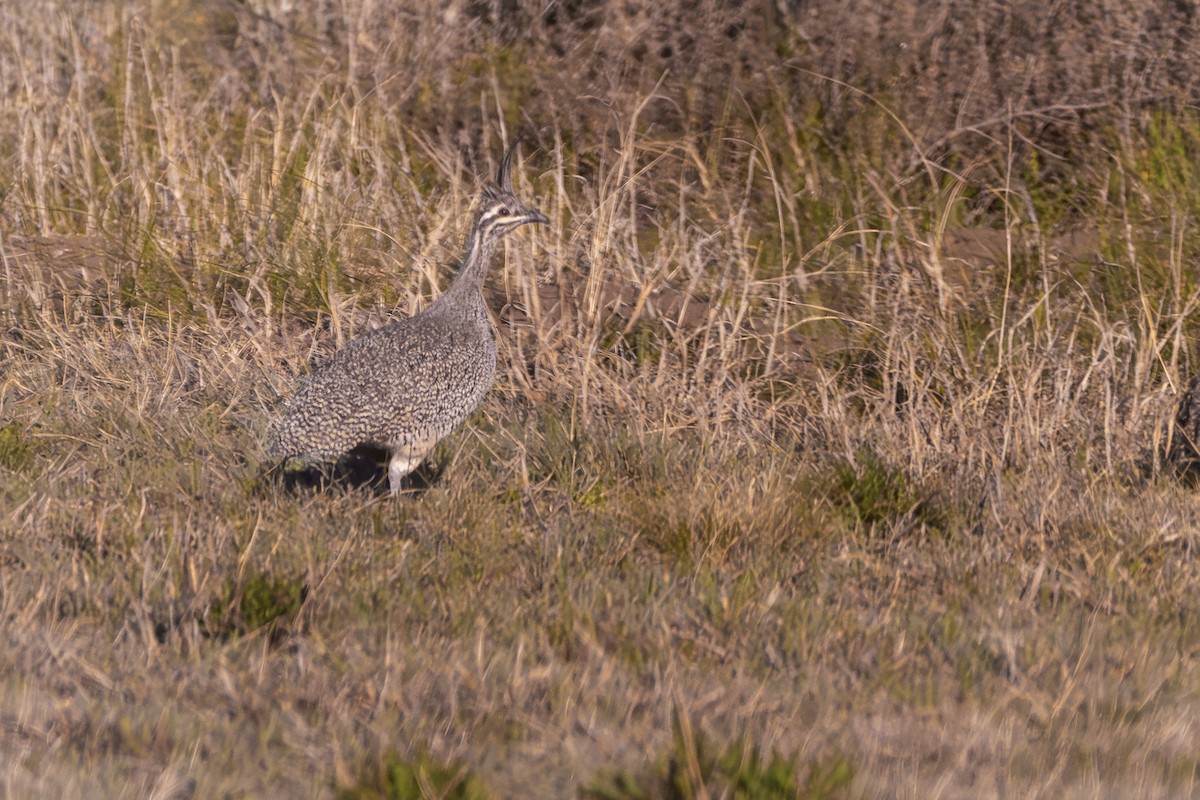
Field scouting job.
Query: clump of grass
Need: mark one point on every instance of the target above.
(417, 779)
(873, 493)
(693, 768)
(259, 601)
(16, 448)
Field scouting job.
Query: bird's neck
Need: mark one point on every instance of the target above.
(475, 261)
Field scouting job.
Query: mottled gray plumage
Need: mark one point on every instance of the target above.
(404, 386)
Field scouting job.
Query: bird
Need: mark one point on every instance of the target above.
(405, 386)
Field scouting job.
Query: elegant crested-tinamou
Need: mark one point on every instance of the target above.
(403, 387)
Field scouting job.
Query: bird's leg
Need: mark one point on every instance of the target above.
(404, 459)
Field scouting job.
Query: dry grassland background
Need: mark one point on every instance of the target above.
(826, 456)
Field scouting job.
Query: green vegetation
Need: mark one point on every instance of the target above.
(874, 493)
(691, 769)
(825, 458)
(257, 601)
(16, 451)
(419, 779)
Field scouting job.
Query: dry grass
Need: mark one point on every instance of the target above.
(830, 419)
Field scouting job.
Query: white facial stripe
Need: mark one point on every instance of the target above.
(495, 217)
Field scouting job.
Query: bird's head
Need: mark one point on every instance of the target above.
(500, 210)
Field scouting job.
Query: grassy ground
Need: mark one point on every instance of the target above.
(826, 455)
